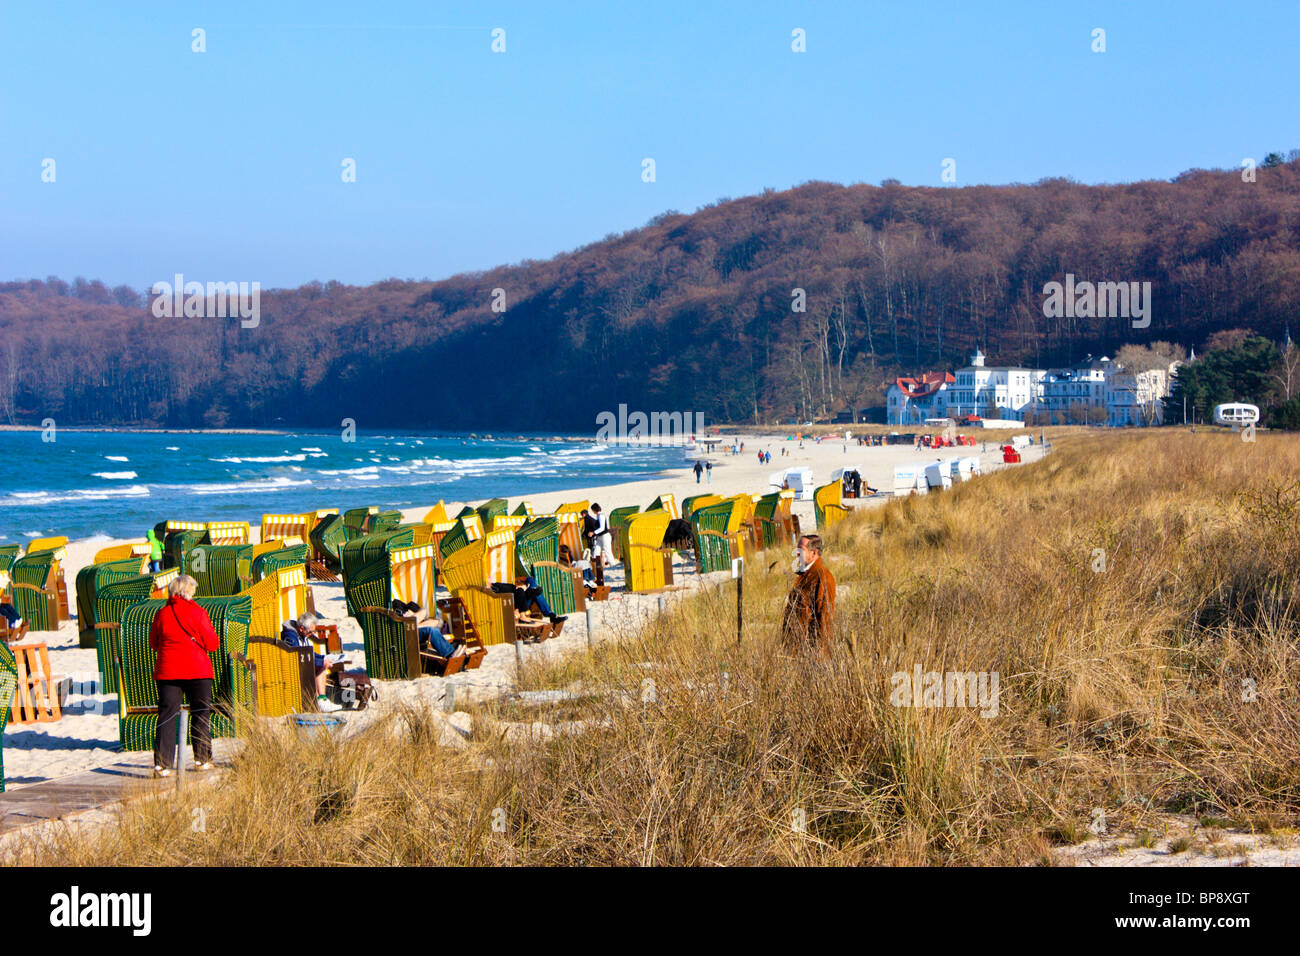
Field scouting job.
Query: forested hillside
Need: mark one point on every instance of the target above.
(691, 312)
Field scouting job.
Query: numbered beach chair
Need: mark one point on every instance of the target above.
(282, 677)
(281, 596)
(138, 692)
(649, 565)
(293, 556)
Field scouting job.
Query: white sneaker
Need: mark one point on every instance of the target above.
(17, 624)
(327, 706)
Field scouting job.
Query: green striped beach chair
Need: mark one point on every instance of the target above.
(370, 586)
(221, 570)
(179, 543)
(537, 550)
(35, 591)
(490, 509)
(714, 546)
(268, 562)
(8, 685)
(138, 693)
(356, 521)
(89, 580)
(618, 517)
(111, 602)
(327, 538)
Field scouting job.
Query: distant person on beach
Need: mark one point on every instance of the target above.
(299, 634)
(808, 623)
(182, 637)
(708, 469)
(155, 551)
(699, 470)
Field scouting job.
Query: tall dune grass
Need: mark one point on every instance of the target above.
(1137, 594)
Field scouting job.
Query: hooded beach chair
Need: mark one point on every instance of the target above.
(281, 596)
(617, 518)
(138, 692)
(89, 580)
(717, 541)
(221, 570)
(327, 538)
(828, 506)
(292, 556)
(537, 545)
(665, 503)
(648, 564)
(111, 601)
(228, 532)
(282, 677)
(469, 573)
(8, 686)
(391, 640)
(33, 584)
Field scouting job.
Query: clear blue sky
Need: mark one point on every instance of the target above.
(225, 165)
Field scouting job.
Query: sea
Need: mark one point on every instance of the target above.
(116, 484)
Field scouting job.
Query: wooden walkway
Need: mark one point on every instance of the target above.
(76, 793)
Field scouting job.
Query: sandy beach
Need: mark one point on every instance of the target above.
(87, 736)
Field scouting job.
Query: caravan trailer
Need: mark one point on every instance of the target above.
(1236, 413)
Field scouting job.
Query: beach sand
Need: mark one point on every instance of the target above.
(87, 736)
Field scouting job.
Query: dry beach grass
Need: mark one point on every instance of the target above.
(1136, 593)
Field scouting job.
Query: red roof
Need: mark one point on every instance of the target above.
(926, 385)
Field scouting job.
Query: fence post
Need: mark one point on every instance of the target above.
(588, 611)
(182, 732)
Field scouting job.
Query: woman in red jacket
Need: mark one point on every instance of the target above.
(182, 636)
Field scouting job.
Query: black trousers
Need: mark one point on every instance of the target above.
(198, 694)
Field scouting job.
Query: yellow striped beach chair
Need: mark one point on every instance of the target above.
(648, 564)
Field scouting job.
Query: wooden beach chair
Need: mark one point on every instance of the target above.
(111, 602)
(138, 692)
(665, 503)
(282, 677)
(34, 588)
(392, 641)
(717, 542)
(537, 545)
(264, 564)
(828, 507)
(469, 573)
(221, 570)
(89, 580)
(463, 630)
(649, 565)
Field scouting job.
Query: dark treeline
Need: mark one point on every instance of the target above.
(691, 312)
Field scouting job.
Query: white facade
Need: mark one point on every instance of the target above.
(1095, 389)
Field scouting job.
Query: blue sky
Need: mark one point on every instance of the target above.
(225, 165)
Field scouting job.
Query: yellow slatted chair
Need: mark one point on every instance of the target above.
(649, 565)
(437, 514)
(277, 527)
(278, 597)
(120, 552)
(46, 544)
(283, 677)
(512, 522)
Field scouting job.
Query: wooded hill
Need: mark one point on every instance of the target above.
(691, 312)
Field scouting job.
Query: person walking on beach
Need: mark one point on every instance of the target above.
(155, 551)
(182, 637)
(699, 470)
(808, 623)
(708, 469)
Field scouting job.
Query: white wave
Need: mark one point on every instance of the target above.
(231, 487)
(173, 448)
(264, 460)
(305, 448)
(78, 494)
(116, 458)
(116, 475)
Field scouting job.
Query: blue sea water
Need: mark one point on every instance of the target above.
(119, 483)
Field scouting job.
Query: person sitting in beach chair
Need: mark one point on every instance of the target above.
(298, 634)
(11, 615)
(432, 630)
(528, 596)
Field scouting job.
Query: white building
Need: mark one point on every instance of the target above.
(1134, 398)
(994, 391)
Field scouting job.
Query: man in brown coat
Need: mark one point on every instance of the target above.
(809, 617)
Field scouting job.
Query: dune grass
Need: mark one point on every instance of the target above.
(1136, 593)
